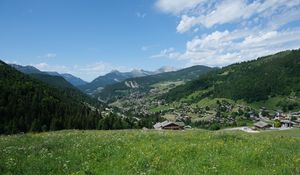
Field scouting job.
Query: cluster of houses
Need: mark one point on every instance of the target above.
(268, 125)
(283, 121)
(288, 121)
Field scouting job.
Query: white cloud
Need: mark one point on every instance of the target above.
(186, 23)
(176, 6)
(223, 48)
(227, 11)
(167, 53)
(210, 13)
(233, 30)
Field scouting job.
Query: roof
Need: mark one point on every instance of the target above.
(287, 121)
(261, 124)
(166, 123)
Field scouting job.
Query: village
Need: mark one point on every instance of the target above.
(278, 122)
(223, 114)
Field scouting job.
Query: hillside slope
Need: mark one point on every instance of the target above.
(27, 69)
(61, 82)
(151, 152)
(251, 81)
(27, 104)
(55, 81)
(75, 81)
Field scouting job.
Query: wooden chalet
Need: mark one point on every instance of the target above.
(169, 125)
(287, 123)
(261, 125)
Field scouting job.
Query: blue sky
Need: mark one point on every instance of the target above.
(90, 38)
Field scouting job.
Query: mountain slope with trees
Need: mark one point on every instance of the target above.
(73, 80)
(27, 104)
(54, 81)
(251, 81)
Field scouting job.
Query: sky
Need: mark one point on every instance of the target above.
(88, 38)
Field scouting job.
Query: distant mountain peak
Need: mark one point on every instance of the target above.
(137, 70)
(26, 69)
(32, 70)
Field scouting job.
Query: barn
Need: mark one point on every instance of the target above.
(169, 125)
(261, 125)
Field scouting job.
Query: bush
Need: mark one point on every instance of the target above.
(277, 124)
(215, 126)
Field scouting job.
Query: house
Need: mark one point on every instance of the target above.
(169, 125)
(297, 121)
(261, 125)
(287, 123)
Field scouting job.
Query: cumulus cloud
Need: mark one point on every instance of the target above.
(177, 6)
(210, 13)
(223, 48)
(228, 31)
(186, 23)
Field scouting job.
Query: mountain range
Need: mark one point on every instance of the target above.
(115, 77)
(145, 83)
(75, 81)
(90, 88)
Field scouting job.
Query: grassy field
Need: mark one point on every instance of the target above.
(151, 152)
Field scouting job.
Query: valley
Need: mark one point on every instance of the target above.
(201, 97)
(159, 87)
(236, 95)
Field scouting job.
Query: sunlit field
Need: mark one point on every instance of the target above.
(151, 152)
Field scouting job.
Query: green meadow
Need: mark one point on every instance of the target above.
(151, 152)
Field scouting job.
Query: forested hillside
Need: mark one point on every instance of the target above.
(27, 104)
(55, 81)
(251, 81)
